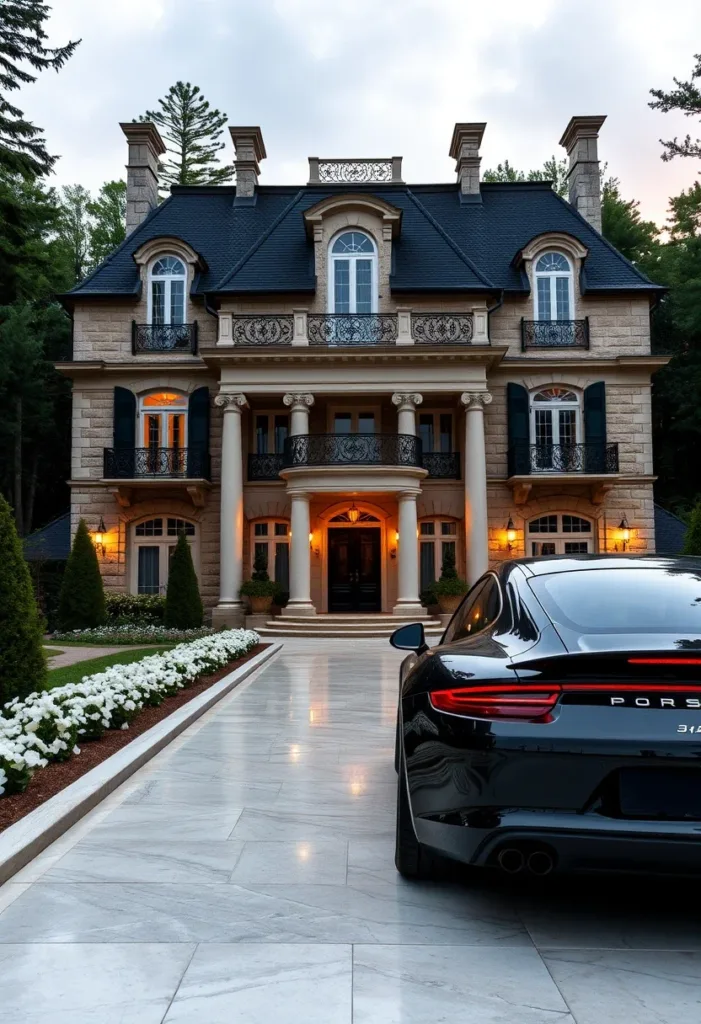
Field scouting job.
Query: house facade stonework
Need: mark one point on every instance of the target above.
(355, 376)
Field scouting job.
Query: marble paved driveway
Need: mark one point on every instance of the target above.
(246, 875)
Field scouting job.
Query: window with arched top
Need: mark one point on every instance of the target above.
(559, 534)
(163, 419)
(554, 290)
(353, 273)
(152, 545)
(556, 429)
(167, 291)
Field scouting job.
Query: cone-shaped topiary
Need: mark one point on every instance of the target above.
(183, 602)
(692, 541)
(81, 604)
(260, 566)
(22, 662)
(449, 584)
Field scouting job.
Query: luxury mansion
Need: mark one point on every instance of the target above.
(356, 375)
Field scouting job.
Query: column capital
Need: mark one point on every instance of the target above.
(300, 399)
(407, 401)
(295, 493)
(475, 399)
(408, 495)
(231, 403)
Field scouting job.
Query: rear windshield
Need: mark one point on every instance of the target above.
(622, 600)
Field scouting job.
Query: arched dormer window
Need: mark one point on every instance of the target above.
(167, 291)
(353, 273)
(554, 291)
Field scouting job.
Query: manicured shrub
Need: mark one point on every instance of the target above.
(183, 608)
(260, 584)
(135, 609)
(22, 661)
(692, 541)
(82, 601)
(449, 584)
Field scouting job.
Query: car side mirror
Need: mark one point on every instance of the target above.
(410, 638)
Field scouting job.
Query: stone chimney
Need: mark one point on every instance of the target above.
(465, 150)
(249, 148)
(145, 147)
(583, 178)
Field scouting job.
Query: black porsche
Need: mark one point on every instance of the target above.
(557, 725)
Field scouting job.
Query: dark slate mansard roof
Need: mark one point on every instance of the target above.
(444, 245)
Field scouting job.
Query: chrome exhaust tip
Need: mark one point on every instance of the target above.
(511, 860)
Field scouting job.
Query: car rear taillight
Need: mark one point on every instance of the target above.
(664, 661)
(529, 702)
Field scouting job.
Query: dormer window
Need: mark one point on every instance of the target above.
(353, 274)
(554, 293)
(167, 291)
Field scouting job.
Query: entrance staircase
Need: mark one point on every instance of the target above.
(344, 627)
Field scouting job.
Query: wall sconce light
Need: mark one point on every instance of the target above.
(99, 537)
(624, 530)
(316, 550)
(393, 549)
(354, 513)
(510, 535)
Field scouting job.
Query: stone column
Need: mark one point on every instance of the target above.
(406, 411)
(300, 602)
(408, 602)
(299, 406)
(475, 462)
(229, 611)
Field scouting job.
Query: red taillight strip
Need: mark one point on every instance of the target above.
(670, 687)
(664, 661)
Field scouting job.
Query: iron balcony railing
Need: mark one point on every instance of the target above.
(596, 458)
(554, 333)
(442, 328)
(164, 338)
(336, 330)
(352, 450)
(264, 329)
(442, 465)
(264, 467)
(352, 329)
(156, 463)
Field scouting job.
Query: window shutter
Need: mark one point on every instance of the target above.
(198, 433)
(124, 433)
(595, 427)
(519, 430)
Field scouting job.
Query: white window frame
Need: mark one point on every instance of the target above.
(437, 413)
(167, 279)
(559, 538)
(552, 276)
(352, 259)
(271, 540)
(555, 405)
(162, 413)
(164, 542)
(438, 539)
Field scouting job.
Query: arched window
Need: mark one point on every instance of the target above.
(163, 420)
(152, 543)
(271, 538)
(559, 534)
(437, 537)
(556, 429)
(167, 291)
(554, 292)
(353, 274)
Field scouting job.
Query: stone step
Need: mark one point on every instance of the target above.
(359, 618)
(337, 633)
(318, 625)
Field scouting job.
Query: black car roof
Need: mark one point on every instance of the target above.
(569, 563)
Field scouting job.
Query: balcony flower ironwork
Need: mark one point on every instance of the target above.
(264, 467)
(597, 458)
(353, 172)
(442, 328)
(156, 463)
(263, 329)
(352, 450)
(352, 329)
(555, 333)
(164, 338)
(442, 465)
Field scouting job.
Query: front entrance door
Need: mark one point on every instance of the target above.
(354, 570)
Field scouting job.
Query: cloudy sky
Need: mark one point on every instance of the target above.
(376, 78)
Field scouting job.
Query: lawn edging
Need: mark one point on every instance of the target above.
(21, 842)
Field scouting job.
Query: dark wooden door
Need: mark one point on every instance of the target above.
(354, 570)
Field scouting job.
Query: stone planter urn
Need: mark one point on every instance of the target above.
(260, 605)
(449, 602)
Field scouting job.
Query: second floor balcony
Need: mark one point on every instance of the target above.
(372, 450)
(596, 459)
(156, 464)
(549, 334)
(153, 338)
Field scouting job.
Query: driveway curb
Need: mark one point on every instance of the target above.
(22, 841)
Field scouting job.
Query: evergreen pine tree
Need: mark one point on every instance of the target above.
(81, 604)
(22, 662)
(692, 541)
(183, 602)
(109, 215)
(192, 134)
(687, 99)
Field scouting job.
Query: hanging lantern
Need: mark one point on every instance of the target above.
(353, 513)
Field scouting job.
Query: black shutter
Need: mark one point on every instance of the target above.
(519, 429)
(595, 427)
(124, 418)
(198, 434)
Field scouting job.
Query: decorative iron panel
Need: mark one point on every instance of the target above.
(164, 337)
(168, 463)
(267, 329)
(354, 171)
(563, 458)
(264, 467)
(352, 329)
(352, 450)
(555, 333)
(442, 465)
(442, 328)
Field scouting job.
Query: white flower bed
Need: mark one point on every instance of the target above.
(47, 726)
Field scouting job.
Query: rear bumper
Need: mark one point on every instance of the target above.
(577, 842)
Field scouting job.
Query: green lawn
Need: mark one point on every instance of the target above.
(74, 673)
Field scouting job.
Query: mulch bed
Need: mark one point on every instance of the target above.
(48, 781)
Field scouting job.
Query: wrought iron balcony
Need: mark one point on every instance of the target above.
(352, 329)
(264, 467)
(595, 458)
(264, 329)
(164, 338)
(156, 463)
(442, 465)
(352, 450)
(442, 328)
(554, 333)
